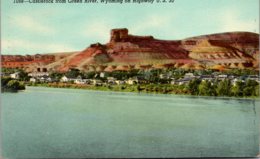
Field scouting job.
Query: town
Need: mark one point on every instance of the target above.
(234, 82)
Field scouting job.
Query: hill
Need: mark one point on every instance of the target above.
(125, 52)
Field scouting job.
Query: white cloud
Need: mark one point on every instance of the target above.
(30, 24)
(151, 22)
(230, 21)
(24, 46)
(98, 31)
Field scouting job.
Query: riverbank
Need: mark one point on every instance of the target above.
(144, 88)
(11, 85)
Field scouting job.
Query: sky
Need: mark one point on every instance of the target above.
(48, 28)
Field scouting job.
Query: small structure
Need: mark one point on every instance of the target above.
(253, 77)
(189, 75)
(132, 81)
(96, 82)
(222, 77)
(79, 81)
(38, 74)
(181, 81)
(206, 77)
(34, 80)
(66, 79)
(119, 82)
(111, 80)
(15, 75)
(103, 74)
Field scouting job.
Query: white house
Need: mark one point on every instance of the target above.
(132, 81)
(80, 81)
(15, 75)
(64, 79)
(38, 74)
(33, 80)
(189, 75)
(96, 81)
(118, 82)
(111, 80)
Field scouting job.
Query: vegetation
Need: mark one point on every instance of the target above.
(194, 87)
(150, 82)
(8, 84)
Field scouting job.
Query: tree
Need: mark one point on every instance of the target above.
(193, 86)
(237, 89)
(15, 85)
(73, 73)
(56, 75)
(223, 88)
(250, 88)
(206, 88)
(23, 75)
(5, 80)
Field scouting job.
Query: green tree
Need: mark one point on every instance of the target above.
(23, 76)
(73, 73)
(15, 85)
(193, 86)
(237, 89)
(206, 88)
(250, 88)
(223, 88)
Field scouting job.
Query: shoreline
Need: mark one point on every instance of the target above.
(105, 89)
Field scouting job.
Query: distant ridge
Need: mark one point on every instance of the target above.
(125, 52)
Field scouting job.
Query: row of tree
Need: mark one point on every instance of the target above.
(224, 88)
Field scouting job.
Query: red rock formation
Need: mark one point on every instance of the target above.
(224, 50)
(19, 61)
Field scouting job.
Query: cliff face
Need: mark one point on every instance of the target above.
(125, 51)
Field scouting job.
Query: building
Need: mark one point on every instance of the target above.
(132, 81)
(80, 81)
(34, 80)
(111, 80)
(181, 81)
(15, 75)
(189, 75)
(65, 79)
(38, 74)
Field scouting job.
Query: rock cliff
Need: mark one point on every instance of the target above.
(125, 51)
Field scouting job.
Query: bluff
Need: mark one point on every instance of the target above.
(125, 51)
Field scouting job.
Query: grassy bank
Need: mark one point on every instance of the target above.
(142, 88)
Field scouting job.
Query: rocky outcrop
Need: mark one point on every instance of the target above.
(125, 51)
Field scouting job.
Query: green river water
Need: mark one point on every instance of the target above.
(57, 123)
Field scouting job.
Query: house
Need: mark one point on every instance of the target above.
(181, 81)
(64, 79)
(132, 81)
(235, 80)
(253, 77)
(43, 79)
(33, 80)
(119, 82)
(96, 82)
(38, 74)
(165, 75)
(222, 77)
(206, 77)
(102, 74)
(49, 79)
(111, 80)
(189, 75)
(80, 81)
(15, 75)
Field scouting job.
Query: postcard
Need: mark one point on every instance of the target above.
(129, 78)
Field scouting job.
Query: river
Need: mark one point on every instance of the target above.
(57, 123)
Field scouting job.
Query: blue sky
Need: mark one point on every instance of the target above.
(46, 28)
